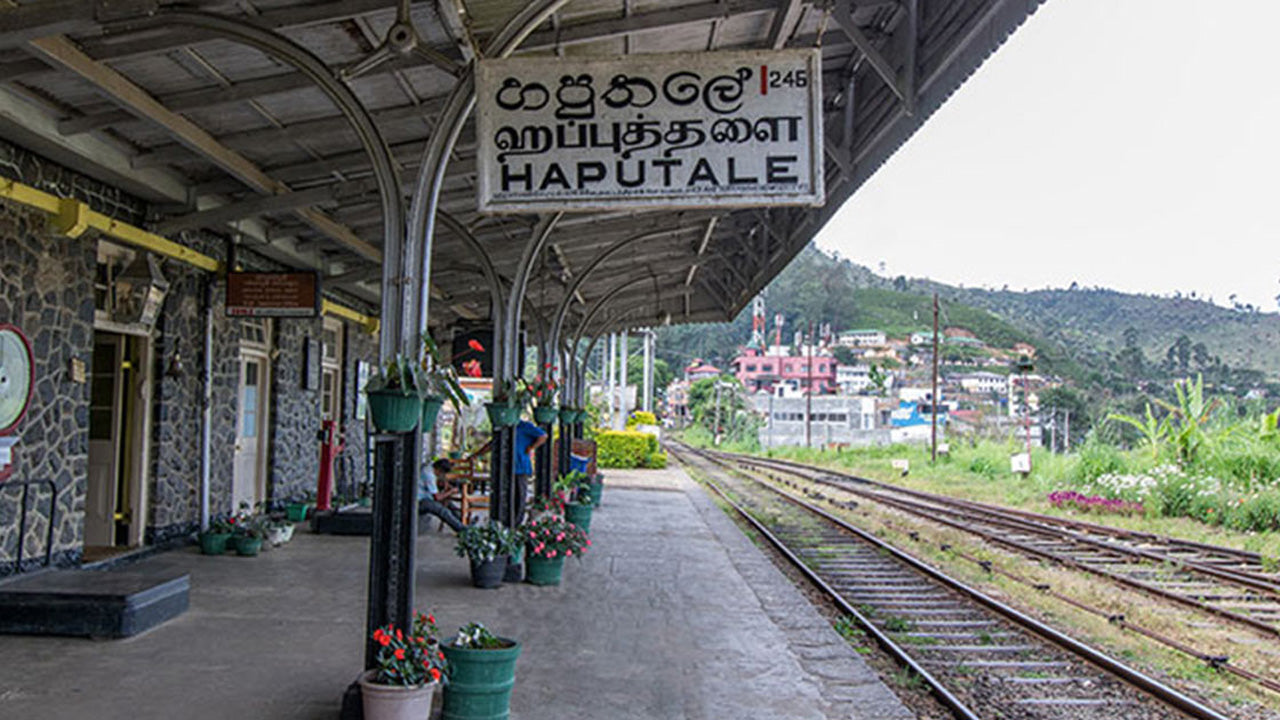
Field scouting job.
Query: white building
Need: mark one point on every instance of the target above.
(831, 419)
(862, 338)
(983, 382)
(856, 379)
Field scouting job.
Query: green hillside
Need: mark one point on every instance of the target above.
(1109, 343)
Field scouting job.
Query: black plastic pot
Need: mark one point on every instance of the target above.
(488, 574)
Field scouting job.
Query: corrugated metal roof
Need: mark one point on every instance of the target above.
(261, 109)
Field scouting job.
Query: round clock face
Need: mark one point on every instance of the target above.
(15, 377)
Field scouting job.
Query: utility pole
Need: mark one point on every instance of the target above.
(612, 367)
(1053, 430)
(933, 405)
(622, 379)
(1024, 367)
(715, 426)
(1066, 430)
(808, 395)
(648, 369)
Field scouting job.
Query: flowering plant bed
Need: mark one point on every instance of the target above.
(1094, 503)
(552, 537)
(409, 657)
(552, 504)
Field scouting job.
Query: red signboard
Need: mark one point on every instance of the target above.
(273, 294)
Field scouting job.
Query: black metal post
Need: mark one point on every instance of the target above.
(566, 447)
(394, 537)
(542, 482)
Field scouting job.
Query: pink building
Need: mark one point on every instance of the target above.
(760, 372)
(699, 370)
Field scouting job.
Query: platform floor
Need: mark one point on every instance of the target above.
(675, 614)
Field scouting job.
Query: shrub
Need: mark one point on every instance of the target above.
(640, 417)
(625, 449)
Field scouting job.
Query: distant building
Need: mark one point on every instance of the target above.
(1022, 348)
(856, 379)
(812, 370)
(862, 338)
(983, 382)
(922, 338)
(832, 419)
(699, 370)
(677, 402)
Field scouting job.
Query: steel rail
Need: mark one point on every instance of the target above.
(931, 514)
(945, 696)
(1129, 675)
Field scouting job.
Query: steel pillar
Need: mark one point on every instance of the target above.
(648, 370)
(624, 352)
(395, 534)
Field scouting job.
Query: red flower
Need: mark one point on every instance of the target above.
(399, 653)
(385, 640)
(431, 619)
(471, 368)
(475, 345)
(435, 674)
(399, 635)
(441, 654)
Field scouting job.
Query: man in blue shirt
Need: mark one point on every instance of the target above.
(528, 438)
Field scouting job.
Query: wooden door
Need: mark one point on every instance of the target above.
(249, 466)
(106, 401)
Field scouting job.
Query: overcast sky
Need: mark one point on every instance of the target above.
(1131, 144)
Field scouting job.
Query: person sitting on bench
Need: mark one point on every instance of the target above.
(432, 496)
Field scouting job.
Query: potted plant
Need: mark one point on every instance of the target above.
(508, 398)
(395, 395)
(549, 540)
(298, 510)
(568, 414)
(487, 546)
(250, 535)
(214, 540)
(410, 668)
(441, 385)
(552, 504)
(543, 389)
(579, 511)
(278, 532)
(482, 671)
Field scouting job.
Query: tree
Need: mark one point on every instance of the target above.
(844, 355)
(1060, 403)
(662, 373)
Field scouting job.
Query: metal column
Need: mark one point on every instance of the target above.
(624, 351)
(648, 370)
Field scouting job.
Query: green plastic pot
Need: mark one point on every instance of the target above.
(545, 414)
(248, 546)
(597, 492)
(296, 512)
(579, 514)
(543, 571)
(214, 543)
(502, 414)
(567, 415)
(480, 682)
(431, 405)
(394, 411)
(580, 416)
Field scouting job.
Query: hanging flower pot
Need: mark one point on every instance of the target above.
(545, 414)
(502, 414)
(580, 415)
(431, 405)
(567, 415)
(394, 410)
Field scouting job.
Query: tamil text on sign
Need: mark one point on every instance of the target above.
(729, 129)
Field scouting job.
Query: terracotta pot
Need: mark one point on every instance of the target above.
(395, 702)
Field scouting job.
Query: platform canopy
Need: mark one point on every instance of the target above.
(220, 134)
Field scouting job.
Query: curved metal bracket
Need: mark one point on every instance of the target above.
(291, 53)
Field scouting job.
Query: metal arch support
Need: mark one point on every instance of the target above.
(426, 195)
(557, 323)
(515, 300)
(391, 340)
(600, 303)
(486, 262)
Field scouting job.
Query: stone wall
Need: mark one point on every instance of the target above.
(46, 291)
(353, 467)
(46, 288)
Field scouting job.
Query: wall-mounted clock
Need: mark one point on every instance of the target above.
(17, 375)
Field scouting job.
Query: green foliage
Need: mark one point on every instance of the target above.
(474, 636)
(401, 373)
(628, 449)
(484, 542)
(640, 417)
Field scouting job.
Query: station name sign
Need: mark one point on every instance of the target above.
(273, 294)
(723, 129)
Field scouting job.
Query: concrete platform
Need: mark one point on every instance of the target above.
(675, 614)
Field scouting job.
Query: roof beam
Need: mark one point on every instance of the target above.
(21, 24)
(216, 217)
(784, 22)
(124, 92)
(844, 18)
(590, 31)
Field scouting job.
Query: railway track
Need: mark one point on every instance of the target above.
(979, 657)
(1231, 584)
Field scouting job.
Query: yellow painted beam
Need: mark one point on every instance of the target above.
(72, 218)
(328, 307)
